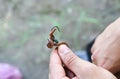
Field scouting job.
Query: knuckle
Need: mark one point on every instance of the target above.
(93, 49)
(94, 57)
(70, 59)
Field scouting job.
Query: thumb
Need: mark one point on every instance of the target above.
(70, 60)
(80, 67)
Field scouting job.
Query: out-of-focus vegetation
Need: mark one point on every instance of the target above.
(25, 25)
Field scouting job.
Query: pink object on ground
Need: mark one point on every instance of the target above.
(9, 72)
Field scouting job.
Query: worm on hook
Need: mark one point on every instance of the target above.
(52, 41)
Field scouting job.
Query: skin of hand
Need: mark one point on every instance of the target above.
(106, 49)
(82, 69)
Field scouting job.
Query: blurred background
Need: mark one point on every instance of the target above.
(25, 27)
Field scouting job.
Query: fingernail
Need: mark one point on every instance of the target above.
(63, 49)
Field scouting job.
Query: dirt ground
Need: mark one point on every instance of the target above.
(25, 25)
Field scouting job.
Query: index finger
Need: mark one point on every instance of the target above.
(56, 69)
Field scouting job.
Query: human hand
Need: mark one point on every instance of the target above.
(106, 49)
(82, 69)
